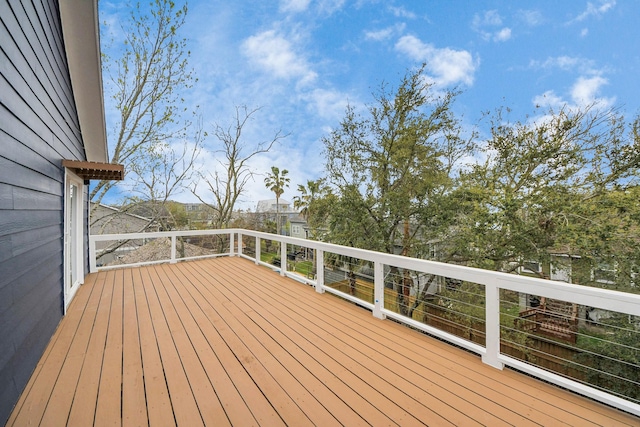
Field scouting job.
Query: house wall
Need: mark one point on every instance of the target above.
(107, 220)
(298, 229)
(38, 128)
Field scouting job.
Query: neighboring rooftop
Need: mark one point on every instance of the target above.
(270, 205)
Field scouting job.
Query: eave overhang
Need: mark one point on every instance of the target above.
(81, 34)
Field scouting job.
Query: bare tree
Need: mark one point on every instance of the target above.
(228, 184)
(146, 83)
(162, 173)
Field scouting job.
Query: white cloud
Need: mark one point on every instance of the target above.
(531, 18)
(446, 66)
(401, 12)
(276, 55)
(596, 10)
(294, 5)
(490, 19)
(330, 6)
(567, 63)
(502, 35)
(385, 33)
(585, 91)
(548, 99)
(327, 104)
(584, 32)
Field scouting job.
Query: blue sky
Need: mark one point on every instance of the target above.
(302, 61)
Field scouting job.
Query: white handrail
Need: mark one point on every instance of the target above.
(493, 281)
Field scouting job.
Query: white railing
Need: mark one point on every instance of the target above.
(492, 281)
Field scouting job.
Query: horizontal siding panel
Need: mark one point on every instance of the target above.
(33, 345)
(33, 66)
(52, 47)
(14, 102)
(24, 293)
(21, 154)
(9, 394)
(26, 280)
(25, 312)
(23, 326)
(26, 199)
(19, 221)
(5, 249)
(12, 127)
(20, 99)
(12, 270)
(31, 239)
(6, 301)
(6, 197)
(52, 18)
(17, 175)
(26, 357)
(14, 41)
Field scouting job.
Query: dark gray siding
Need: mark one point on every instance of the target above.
(38, 128)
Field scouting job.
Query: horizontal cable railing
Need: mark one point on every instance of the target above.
(581, 338)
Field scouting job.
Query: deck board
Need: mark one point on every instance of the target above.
(184, 404)
(225, 342)
(108, 405)
(380, 407)
(134, 411)
(158, 403)
(82, 410)
(194, 321)
(359, 361)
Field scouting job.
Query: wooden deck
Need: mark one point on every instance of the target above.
(225, 342)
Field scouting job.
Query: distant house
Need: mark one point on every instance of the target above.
(299, 227)
(199, 214)
(52, 142)
(269, 208)
(109, 220)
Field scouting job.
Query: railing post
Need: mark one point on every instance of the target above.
(319, 271)
(258, 250)
(231, 243)
(239, 244)
(173, 249)
(93, 266)
(283, 258)
(492, 328)
(378, 290)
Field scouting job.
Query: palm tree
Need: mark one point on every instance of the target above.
(276, 182)
(309, 196)
(303, 201)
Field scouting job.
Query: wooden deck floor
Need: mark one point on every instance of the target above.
(225, 342)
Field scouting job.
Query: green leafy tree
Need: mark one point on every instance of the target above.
(564, 184)
(386, 168)
(277, 181)
(308, 199)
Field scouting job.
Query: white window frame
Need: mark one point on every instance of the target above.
(612, 269)
(524, 269)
